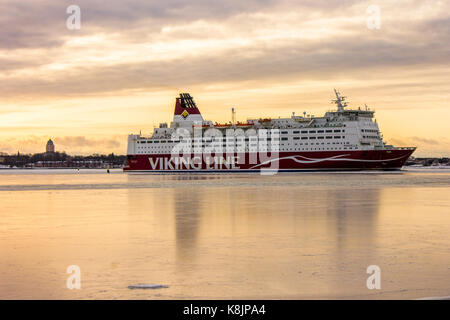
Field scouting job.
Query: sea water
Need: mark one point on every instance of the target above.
(229, 236)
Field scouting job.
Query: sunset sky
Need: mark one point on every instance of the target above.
(120, 73)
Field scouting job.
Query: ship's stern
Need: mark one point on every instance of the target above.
(131, 152)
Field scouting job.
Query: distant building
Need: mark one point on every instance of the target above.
(50, 148)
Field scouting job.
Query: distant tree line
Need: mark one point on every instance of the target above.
(428, 161)
(26, 160)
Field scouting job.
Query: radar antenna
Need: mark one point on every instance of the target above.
(339, 101)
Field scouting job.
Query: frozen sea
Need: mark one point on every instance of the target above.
(231, 236)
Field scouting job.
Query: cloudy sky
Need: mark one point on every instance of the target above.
(120, 72)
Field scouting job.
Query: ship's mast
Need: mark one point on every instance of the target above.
(340, 101)
(233, 116)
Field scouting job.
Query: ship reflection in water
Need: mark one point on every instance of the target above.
(288, 236)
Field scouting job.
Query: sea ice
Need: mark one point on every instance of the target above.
(147, 286)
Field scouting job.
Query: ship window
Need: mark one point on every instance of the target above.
(304, 138)
(312, 131)
(284, 139)
(156, 141)
(312, 137)
(296, 138)
(337, 130)
(320, 131)
(304, 131)
(296, 131)
(284, 132)
(337, 137)
(319, 137)
(328, 130)
(328, 137)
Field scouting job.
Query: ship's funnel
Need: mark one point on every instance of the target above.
(186, 109)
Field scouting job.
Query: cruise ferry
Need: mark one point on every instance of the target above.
(342, 139)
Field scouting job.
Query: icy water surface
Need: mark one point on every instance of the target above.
(288, 236)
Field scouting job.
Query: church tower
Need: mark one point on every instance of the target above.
(50, 148)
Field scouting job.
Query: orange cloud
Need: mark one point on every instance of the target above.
(121, 71)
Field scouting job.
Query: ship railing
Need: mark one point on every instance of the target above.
(399, 148)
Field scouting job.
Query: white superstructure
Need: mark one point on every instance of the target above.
(342, 129)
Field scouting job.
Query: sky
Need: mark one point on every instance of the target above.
(120, 72)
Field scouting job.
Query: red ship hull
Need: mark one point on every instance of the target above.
(390, 159)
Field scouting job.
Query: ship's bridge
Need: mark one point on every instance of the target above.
(350, 114)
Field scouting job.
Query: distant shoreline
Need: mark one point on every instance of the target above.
(120, 168)
(59, 168)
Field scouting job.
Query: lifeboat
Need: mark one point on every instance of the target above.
(222, 125)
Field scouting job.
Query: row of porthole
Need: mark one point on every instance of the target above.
(302, 149)
(252, 145)
(246, 149)
(247, 140)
